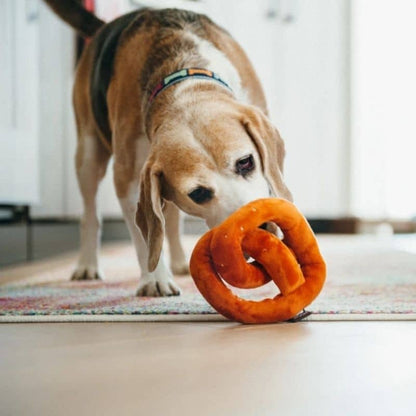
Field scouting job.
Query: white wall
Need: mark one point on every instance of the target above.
(383, 108)
(310, 105)
(19, 91)
(58, 191)
(301, 56)
(56, 63)
(303, 65)
(59, 194)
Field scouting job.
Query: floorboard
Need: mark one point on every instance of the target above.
(342, 368)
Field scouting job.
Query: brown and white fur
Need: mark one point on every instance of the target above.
(192, 135)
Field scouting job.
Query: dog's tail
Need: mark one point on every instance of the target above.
(72, 12)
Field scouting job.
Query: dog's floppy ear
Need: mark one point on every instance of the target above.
(149, 214)
(271, 149)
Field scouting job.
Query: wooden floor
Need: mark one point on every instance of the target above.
(315, 368)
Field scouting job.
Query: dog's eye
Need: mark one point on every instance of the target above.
(201, 195)
(244, 165)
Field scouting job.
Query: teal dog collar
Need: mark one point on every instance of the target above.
(182, 75)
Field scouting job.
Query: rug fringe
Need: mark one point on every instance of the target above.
(195, 318)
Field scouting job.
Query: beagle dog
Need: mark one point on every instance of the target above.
(173, 98)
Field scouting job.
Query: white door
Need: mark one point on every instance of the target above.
(300, 52)
(383, 108)
(18, 102)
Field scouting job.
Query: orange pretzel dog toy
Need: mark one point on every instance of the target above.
(294, 264)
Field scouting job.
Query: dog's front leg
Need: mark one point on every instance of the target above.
(91, 163)
(160, 281)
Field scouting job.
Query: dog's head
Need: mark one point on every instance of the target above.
(209, 165)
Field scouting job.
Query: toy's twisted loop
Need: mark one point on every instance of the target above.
(295, 265)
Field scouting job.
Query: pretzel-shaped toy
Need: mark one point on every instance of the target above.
(294, 264)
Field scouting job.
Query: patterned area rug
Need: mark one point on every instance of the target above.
(368, 279)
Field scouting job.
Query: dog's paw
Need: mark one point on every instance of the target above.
(157, 288)
(87, 273)
(180, 268)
